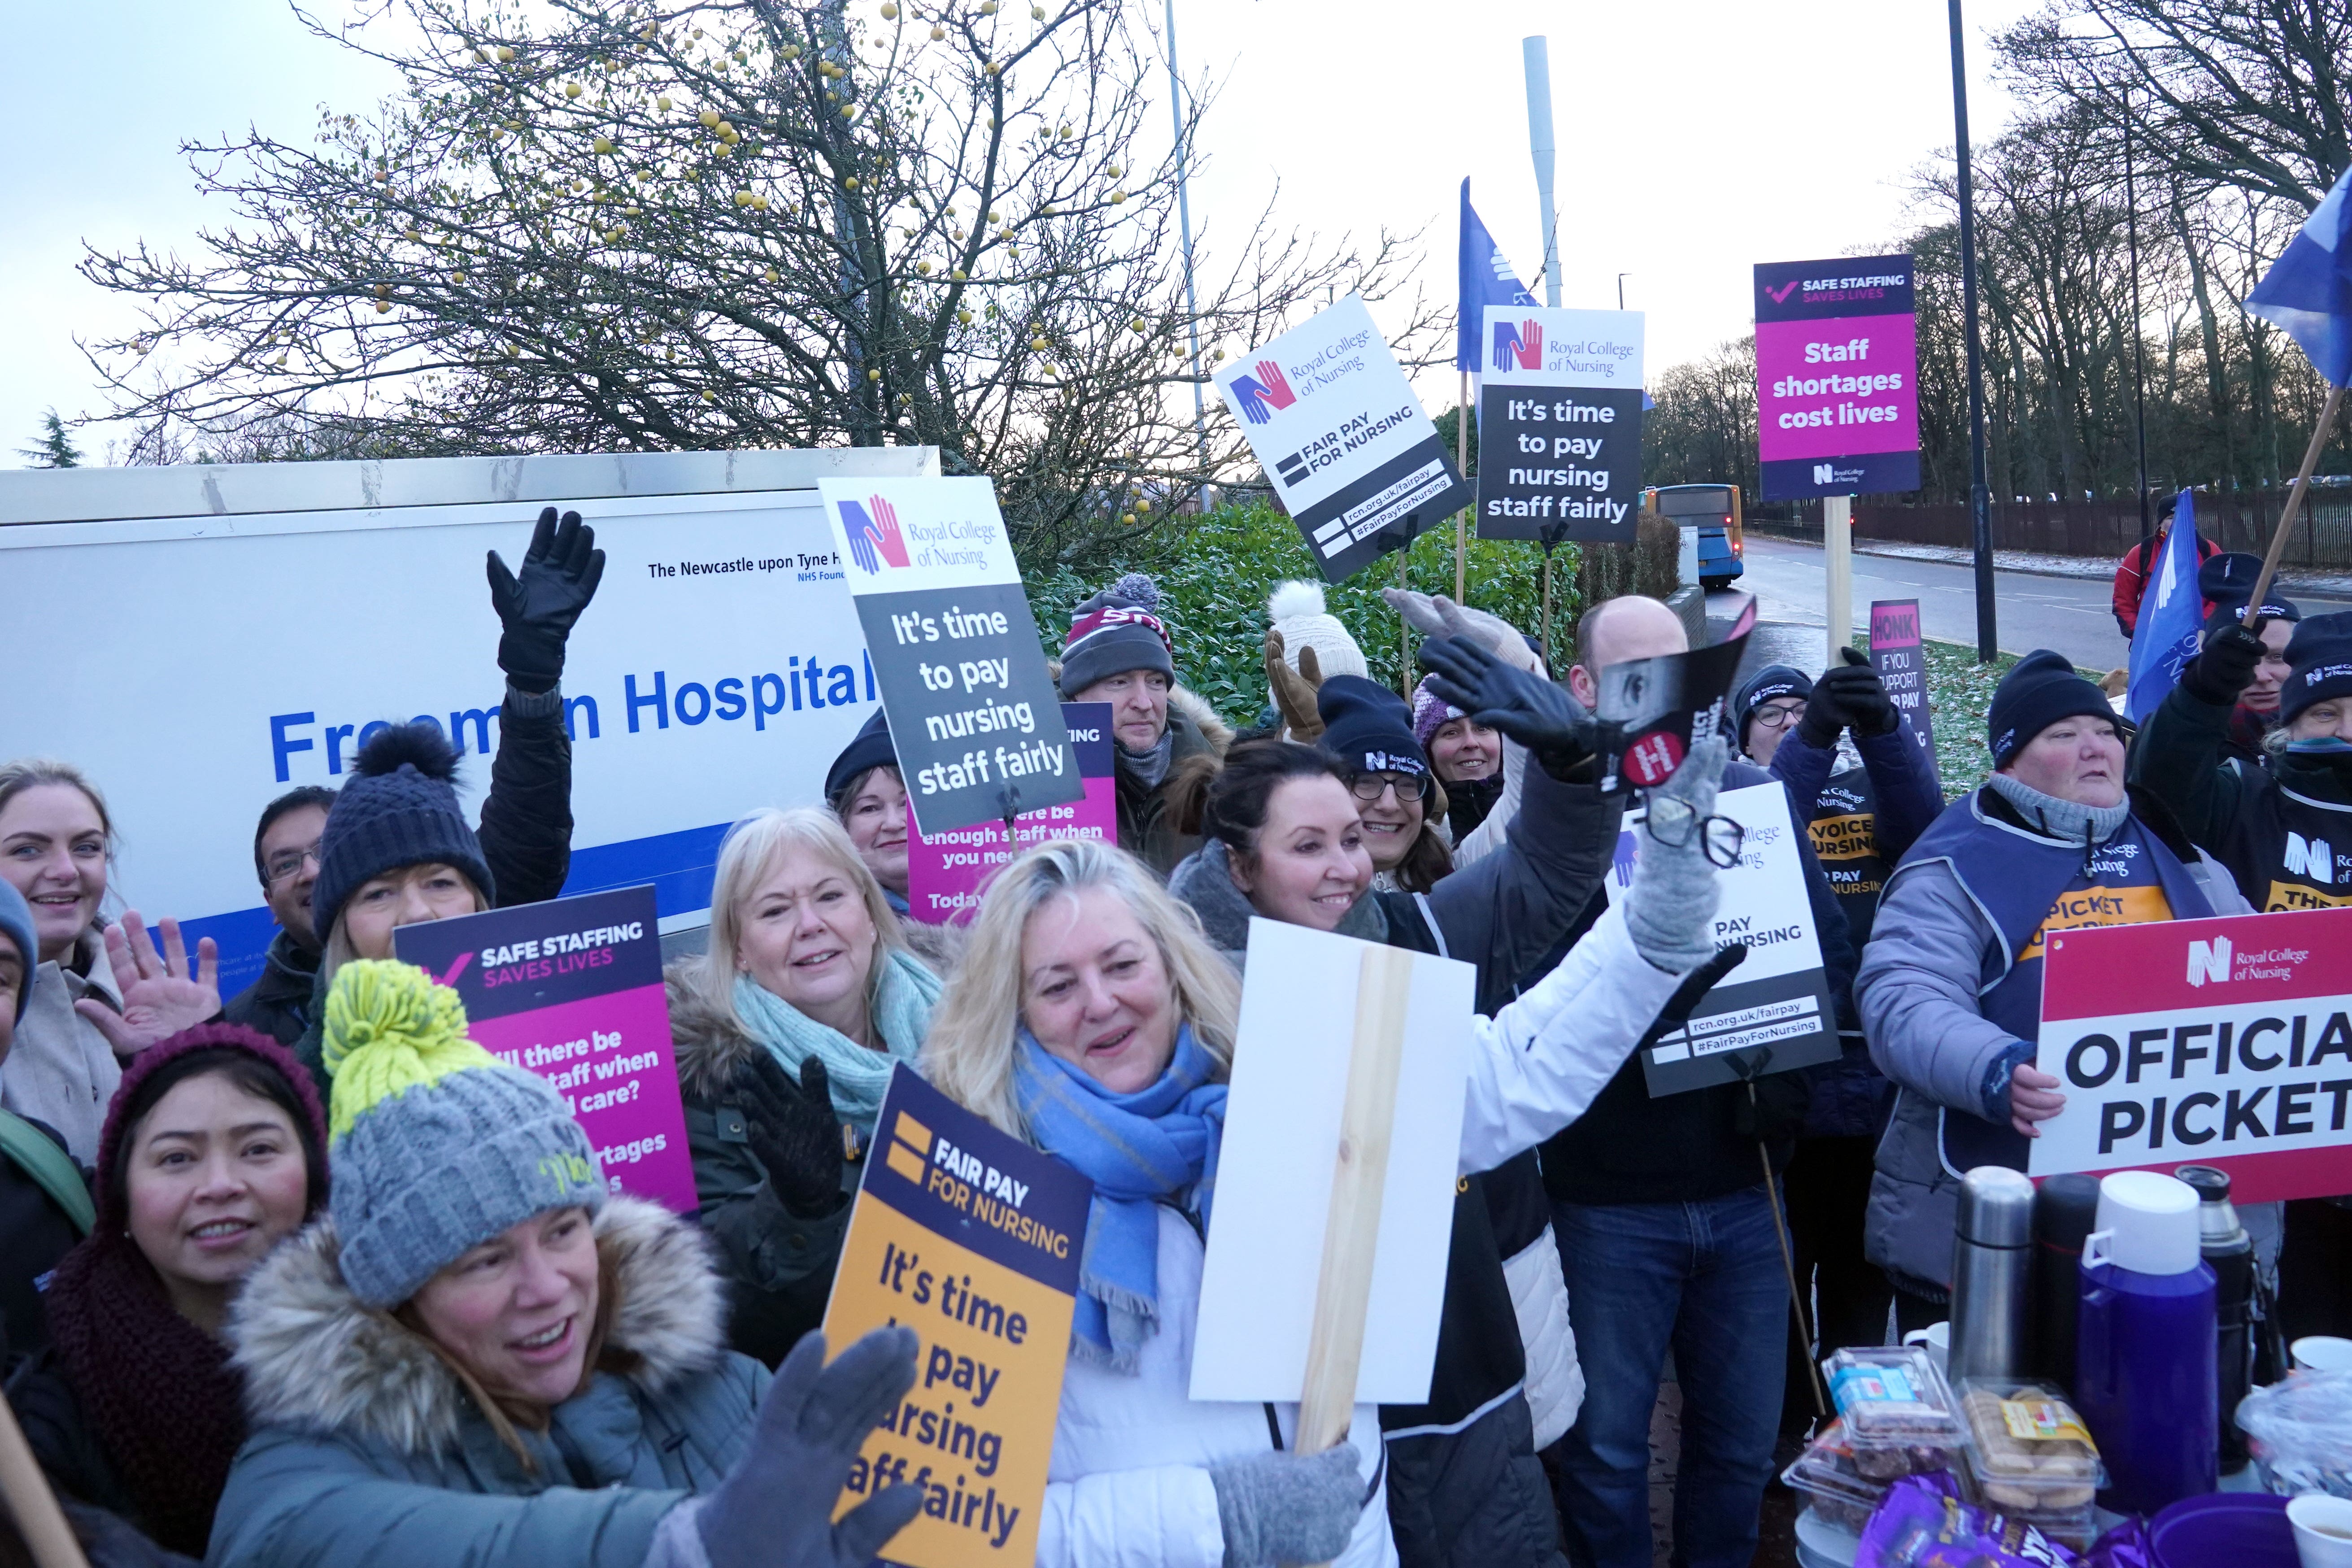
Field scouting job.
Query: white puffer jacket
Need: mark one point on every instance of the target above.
(1128, 1486)
(1555, 1385)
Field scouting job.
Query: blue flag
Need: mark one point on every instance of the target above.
(2171, 613)
(2308, 293)
(1487, 280)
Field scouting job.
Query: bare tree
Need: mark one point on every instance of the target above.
(740, 223)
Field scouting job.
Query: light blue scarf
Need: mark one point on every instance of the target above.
(1156, 1145)
(902, 1017)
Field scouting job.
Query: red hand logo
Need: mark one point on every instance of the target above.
(883, 533)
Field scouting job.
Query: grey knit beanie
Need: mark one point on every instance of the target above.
(437, 1145)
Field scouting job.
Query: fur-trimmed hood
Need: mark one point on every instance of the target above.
(313, 1357)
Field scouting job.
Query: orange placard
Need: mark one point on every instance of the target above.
(972, 1238)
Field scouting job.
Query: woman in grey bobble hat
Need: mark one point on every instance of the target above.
(479, 1356)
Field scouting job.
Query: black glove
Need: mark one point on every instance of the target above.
(793, 1131)
(774, 1509)
(559, 572)
(1856, 696)
(1542, 717)
(2224, 666)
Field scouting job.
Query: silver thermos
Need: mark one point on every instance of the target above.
(1992, 1274)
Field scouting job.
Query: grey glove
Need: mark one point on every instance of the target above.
(775, 1510)
(1436, 616)
(1279, 1507)
(1670, 911)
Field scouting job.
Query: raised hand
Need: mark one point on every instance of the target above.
(560, 572)
(1850, 694)
(160, 995)
(1295, 690)
(1670, 908)
(1434, 615)
(1553, 726)
(2224, 666)
(793, 1131)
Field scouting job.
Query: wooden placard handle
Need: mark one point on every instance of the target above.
(38, 1518)
(1335, 1346)
(2293, 504)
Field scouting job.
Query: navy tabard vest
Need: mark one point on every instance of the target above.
(2026, 885)
(2288, 850)
(1845, 831)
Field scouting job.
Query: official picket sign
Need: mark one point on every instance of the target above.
(721, 652)
(571, 989)
(1560, 426)
(1900, 656)
(1342, 438)
(1774, 1012)
(1837, 377)
(947, 872)
(973, 713)
(2215, 1042)
(972, 1238)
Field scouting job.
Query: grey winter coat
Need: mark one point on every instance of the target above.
(367, 1452)
(1918, 991)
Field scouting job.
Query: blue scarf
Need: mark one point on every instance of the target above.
(904, 995)
(1141, 1150)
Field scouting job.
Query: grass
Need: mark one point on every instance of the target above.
(1959, 692)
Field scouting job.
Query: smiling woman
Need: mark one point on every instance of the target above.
(214, 1151)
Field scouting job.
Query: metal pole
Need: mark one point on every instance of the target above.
(1621, 289)
(1538, 53)
(1462, 465)
(1184, 221)
(2139, 356)
(1980, 494)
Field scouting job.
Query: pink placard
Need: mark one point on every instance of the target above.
(946, 875)
(1864, 400)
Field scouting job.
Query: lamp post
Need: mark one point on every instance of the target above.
(1980, 494)
(1538, 53)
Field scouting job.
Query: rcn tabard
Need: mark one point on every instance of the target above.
(572, 990)
(1342, 438)
(973, 713)
(2216, 1042)
(1774, 1011)
(1560, 426)
(972, 1238)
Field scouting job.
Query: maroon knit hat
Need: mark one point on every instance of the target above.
(113, 1205)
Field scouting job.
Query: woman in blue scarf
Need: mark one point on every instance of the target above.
(787, 1029)
(1091, 1017)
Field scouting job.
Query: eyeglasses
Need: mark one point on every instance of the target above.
(288, 863)
(1775, 718)
(1672, 822)
(1369, 787)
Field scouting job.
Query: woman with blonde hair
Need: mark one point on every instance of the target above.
(787, 1029)
(1093, 1019)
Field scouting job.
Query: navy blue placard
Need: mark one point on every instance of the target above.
(540, 955)
(1836, 286)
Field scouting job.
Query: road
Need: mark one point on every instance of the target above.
(2070, 614)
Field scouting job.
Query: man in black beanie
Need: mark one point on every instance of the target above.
(2053, 842)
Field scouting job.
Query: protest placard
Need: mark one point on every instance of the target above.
(571, 989)
(1560, 426)
(946, 872)
(1276, 1171)
(2215, 1042)
(721, 647)
(972, 1238)
(1774, 1012)
(1837, 377)
(1900, 656)
(1342, 438)
(973, 713)
(1652, 709)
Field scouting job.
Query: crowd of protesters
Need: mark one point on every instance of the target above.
(306, 1275)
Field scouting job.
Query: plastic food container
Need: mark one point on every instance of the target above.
(1899, 1417)
(2032, 1458)
(1834, 1487)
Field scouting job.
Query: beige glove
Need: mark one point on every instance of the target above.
(1295, 690)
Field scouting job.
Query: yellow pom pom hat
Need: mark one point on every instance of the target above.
(438, 1146)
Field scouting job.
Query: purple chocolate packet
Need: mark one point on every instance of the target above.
(1923, 1523)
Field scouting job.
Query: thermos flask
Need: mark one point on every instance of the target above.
(1992, 1271)
(2230, 1252)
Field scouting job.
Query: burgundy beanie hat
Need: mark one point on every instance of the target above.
(162, 1059)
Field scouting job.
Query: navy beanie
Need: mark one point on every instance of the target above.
(870, 748)
(17, 926)
(2227, 582)
(2319, 657)
(1771, 682)
(1118, 630)
(2039, 691)
(399, 809)
(1368, 727)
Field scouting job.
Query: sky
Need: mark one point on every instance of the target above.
(1693, 140)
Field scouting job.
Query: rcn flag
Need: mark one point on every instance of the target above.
(2171, 613)
(2307, 294)
(1487, 280)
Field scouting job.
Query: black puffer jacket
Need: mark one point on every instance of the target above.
(279, 1004)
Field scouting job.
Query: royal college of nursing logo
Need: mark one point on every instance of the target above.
(1262, 394)
(875, 541)
(1523, 342)
(2209, 961)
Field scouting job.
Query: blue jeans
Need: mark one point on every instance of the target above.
(1707, 1279)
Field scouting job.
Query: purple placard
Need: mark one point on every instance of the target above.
(1901, 658)
(1837, 383)
(946, 873)
(571, 989)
